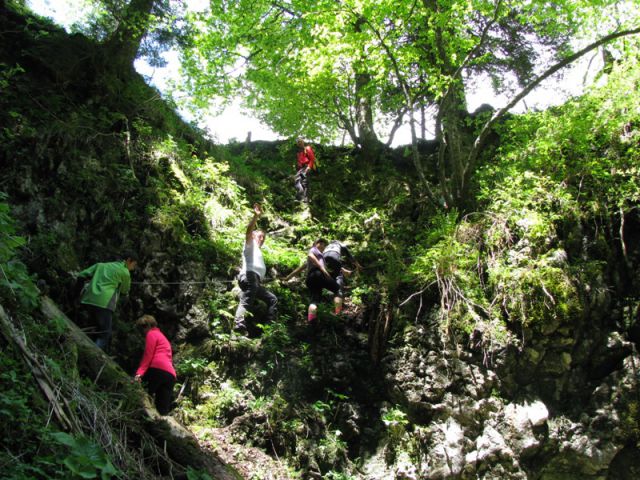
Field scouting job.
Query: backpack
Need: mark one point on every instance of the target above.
(316, 164)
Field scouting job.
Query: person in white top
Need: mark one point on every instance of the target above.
(251, 275)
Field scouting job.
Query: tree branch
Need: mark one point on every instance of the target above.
(526, 90)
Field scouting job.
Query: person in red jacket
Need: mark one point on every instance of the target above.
(156, 367)
(305, 164)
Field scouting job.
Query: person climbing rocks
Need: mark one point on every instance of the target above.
(334, 255)
(108, 281)
(156, 369)
(251, 275)
(323, 275)
(306, 162)
(318, 278)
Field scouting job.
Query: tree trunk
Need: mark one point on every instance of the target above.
(123, 45)
(456, 141)
(364, 114)
(370, 144)
(379, 329)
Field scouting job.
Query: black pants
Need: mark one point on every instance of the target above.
(302, 185)
(104, 320)
(333, 263)
(252, 291)
(160, 384)
(316, 281)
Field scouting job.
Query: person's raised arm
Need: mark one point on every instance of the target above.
(257, 211)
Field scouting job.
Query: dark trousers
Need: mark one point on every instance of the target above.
(302, 185)
(252, 291)
(160, 384)
(316, 281)
(333, 263)
(104, 320)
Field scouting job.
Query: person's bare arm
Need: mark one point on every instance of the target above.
(257, 211)
(317, 263)
(294, 273)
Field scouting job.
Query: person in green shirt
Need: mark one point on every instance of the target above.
(100, 295)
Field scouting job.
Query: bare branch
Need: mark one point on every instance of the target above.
(534, 83)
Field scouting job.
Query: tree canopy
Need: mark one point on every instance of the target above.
(363, 67)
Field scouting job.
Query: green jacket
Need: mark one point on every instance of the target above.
(107, 282)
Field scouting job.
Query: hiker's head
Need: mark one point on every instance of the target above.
(258, 237)
(146, 322)
(130, 260)
(300, 142)
(321, 244)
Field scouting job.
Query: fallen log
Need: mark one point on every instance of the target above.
(177, 441)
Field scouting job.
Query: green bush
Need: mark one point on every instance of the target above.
(16, 285)
(85, 459)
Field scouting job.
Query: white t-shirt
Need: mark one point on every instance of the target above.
(252, 259)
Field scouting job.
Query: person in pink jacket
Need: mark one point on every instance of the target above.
(156, 367)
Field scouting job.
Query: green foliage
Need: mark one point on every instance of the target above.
(631, 420)
(15, 410)
(85, 459)
(192, 367)
(332, 449)
(587, 146)
(221, 315)
(23, 422)
(453, 263)
(275, 340)
(506, 261)
(196, 371)
(505, 267)
(358, 67)
(396, 422)
(394, 418)
(16, 285)
(214, 410)
(556, 170)
(193, 474)
(6, 75)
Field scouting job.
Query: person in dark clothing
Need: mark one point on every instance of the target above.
(251, 275)
(325, 272)
(334, 255)
(100, 295)
(318, 278)
(156, 367)
(306, 159)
